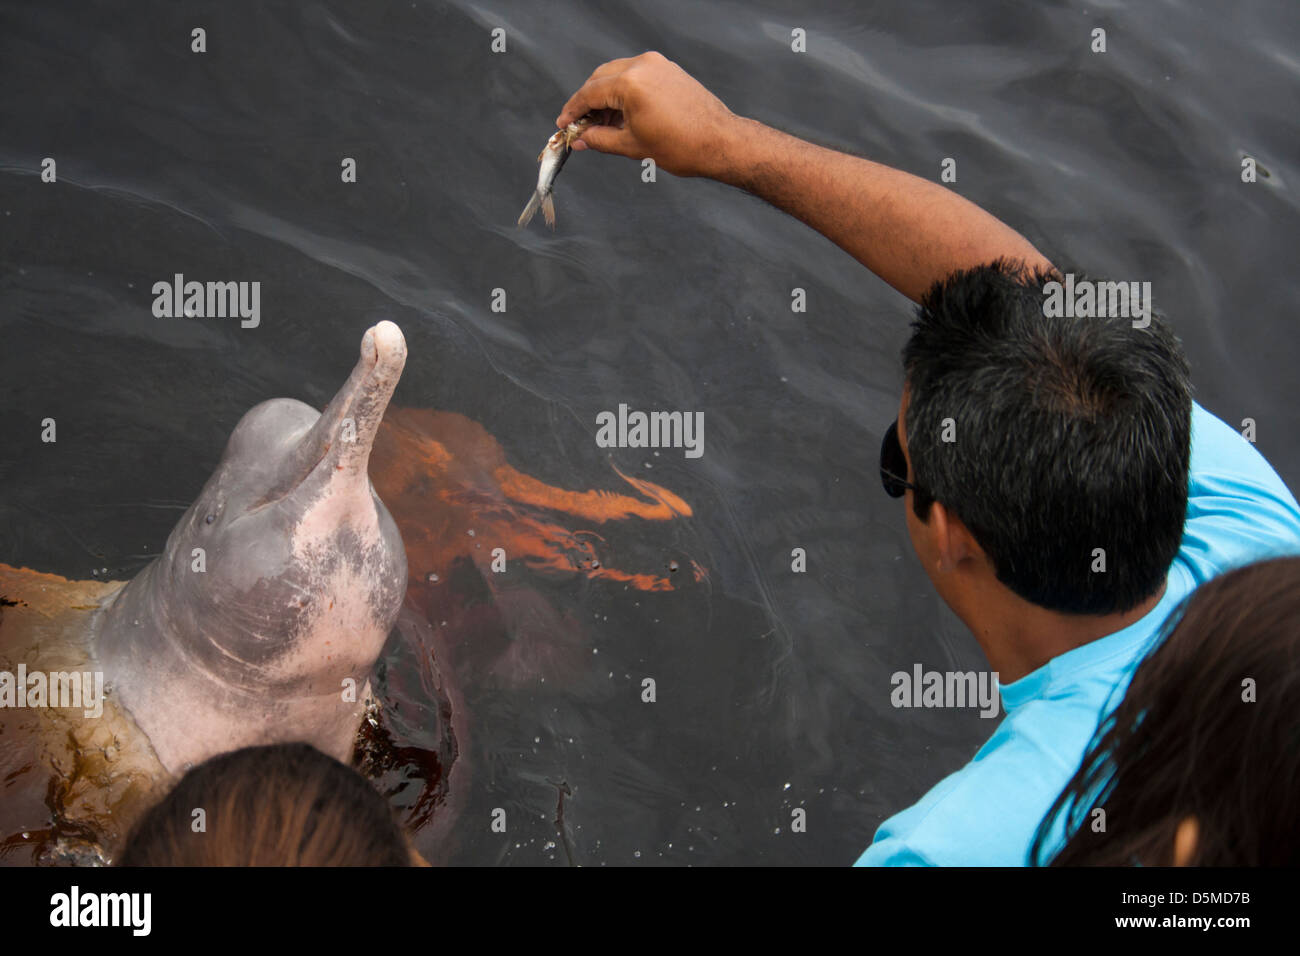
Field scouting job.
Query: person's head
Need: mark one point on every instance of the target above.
(1199, 764)
(281, 805)
(1041, 446)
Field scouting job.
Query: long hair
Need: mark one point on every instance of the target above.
(282, 805)
(1209, 729)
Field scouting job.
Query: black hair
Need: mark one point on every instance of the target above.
(1067, 435)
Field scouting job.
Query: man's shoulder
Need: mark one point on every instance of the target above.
(1219, 449)
(986, 813)
(1239, 510)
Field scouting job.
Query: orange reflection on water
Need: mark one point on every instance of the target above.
(448, 485)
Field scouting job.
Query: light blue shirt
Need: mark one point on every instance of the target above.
(986, 814)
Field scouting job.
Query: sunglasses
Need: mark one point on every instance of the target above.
(893, 466)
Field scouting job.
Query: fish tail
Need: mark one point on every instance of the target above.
(530, 210)
(548, 209)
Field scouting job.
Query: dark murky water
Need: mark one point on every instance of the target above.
(773, 687)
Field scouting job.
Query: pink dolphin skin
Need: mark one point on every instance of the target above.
(277, 590)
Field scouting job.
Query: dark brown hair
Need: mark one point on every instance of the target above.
(1187, 740)
(282, 805)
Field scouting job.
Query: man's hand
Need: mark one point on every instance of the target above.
(649, 106)
(909, 231)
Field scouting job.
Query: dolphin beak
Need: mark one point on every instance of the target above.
(339, 443)
(356, 411)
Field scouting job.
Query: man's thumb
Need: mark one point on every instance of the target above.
(607, 139)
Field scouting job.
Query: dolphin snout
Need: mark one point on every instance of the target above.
(384, 348)
(338, 445)
(364, 397)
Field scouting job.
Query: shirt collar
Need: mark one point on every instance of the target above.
(1127, 643)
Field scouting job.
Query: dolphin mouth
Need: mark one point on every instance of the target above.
(340, 441)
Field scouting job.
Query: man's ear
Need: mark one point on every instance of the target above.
(952, 541)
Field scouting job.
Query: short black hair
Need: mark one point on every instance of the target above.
(1067, 435)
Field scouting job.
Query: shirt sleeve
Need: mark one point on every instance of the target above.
(893, 851)
(1238, 509)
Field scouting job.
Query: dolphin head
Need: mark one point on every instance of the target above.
(277, 588)
(296, 547)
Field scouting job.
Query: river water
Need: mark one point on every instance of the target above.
(772, 687)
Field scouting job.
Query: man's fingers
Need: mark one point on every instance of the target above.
(610, 68)
(597, 94)
(611, 118)
(608, 139)
(604, 71)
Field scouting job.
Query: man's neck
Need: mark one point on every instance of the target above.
(1019, 637)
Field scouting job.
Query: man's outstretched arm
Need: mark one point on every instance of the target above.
(907, 230)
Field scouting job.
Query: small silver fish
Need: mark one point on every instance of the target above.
(552, 158)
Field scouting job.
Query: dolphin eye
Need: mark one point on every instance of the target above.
(209, 519)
